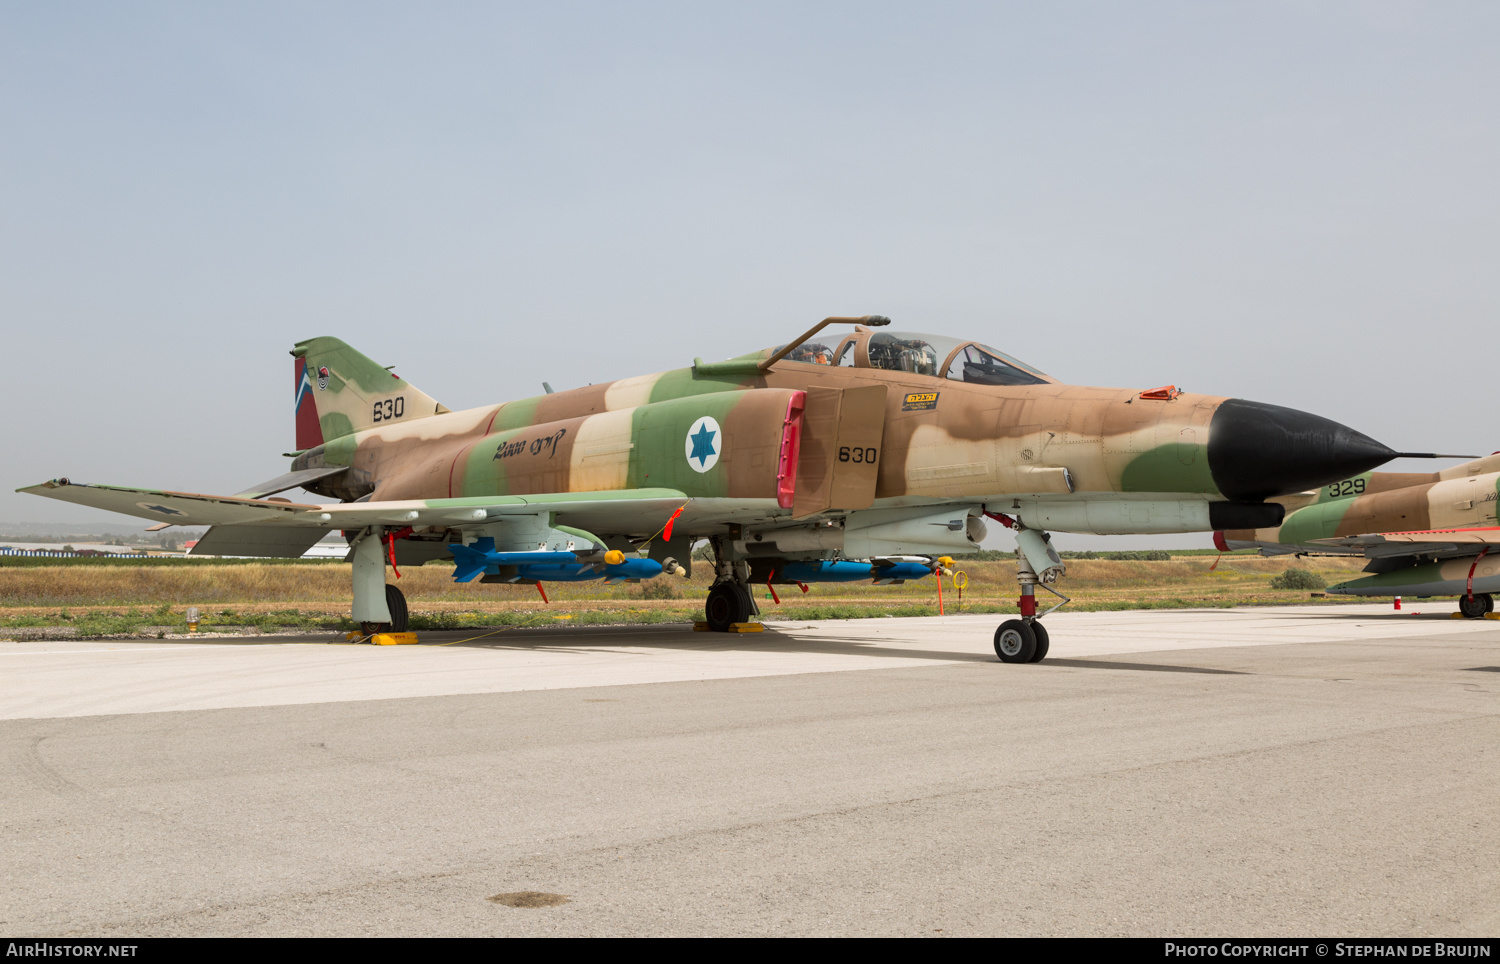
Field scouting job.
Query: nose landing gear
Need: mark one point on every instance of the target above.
(1026, 640)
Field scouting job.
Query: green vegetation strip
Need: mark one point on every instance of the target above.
(151, 597)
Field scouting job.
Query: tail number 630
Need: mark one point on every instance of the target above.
(847, 454)
(389, 408)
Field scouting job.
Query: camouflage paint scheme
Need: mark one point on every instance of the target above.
(1426, 534)
(978, 442)
(797, 450)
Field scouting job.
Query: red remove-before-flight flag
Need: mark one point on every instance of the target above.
(666, 530)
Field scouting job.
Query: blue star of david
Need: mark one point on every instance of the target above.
(703, 444)
(164, 510)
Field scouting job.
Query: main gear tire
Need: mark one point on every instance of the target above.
(728, 603)
(395, 601)
(1015, 642)
(1042, 641)
(1475, 606)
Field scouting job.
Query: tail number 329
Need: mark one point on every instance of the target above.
(847, 454)
(389, 408)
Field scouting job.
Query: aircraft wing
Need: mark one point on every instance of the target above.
(633, 508)
(180, 508)
(1416, 541)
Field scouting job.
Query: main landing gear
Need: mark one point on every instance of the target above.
(729, 598)
(378, 607)
(728, 603)
(1026, 640)
(1476, 606)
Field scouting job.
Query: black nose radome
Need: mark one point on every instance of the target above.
(1256, 450)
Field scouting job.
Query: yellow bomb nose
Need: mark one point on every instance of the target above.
(614, 557)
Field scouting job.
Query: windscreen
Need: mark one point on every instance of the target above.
(979, 365)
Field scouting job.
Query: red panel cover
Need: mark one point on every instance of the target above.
(791, 444)
(309, 432)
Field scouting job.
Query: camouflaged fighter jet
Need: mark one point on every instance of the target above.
(1424, 534)
(868, 456)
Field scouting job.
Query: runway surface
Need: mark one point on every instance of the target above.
(1299, 770)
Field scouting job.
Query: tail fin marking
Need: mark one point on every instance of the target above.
(340, 391)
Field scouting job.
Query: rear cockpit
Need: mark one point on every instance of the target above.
(937, 356)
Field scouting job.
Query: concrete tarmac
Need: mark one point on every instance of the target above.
(1297, 771)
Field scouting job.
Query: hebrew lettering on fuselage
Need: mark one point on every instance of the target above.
(547, 443)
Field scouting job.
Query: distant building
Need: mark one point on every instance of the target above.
(52, 550)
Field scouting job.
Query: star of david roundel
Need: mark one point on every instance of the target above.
(705, 440)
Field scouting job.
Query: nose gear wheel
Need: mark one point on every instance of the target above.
(1015, 642)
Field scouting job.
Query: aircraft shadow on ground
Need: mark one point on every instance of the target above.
(568, 639)
(589, 638)
(1388, 614)
(1142, 667)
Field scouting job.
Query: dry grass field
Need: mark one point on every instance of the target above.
(120, 599)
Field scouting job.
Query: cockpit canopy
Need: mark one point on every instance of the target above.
(937, 356)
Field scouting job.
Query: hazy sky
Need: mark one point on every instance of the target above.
(1289, 202)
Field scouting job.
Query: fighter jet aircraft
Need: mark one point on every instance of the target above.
(867, 456)
(1424, 534)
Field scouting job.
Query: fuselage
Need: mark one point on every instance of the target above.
(969, 442)
(1372, 502)
(1433, 506)
(1054, 452)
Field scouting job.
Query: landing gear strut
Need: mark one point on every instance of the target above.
(378, 607)
(1026, 640)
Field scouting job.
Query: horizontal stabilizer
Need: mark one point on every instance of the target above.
(290, 481)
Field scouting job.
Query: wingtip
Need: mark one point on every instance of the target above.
(56, 483)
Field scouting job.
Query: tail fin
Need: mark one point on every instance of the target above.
(340, 391)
